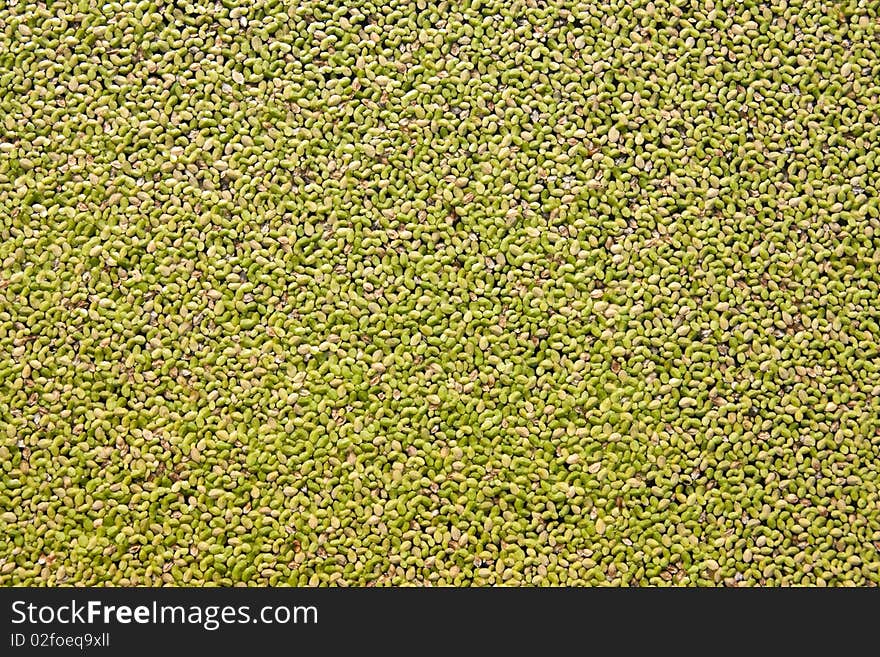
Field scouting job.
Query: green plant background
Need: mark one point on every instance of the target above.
(518, 293)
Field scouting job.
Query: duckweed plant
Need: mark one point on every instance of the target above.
(499, 292)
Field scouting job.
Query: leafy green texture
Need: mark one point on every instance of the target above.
(461, 293)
